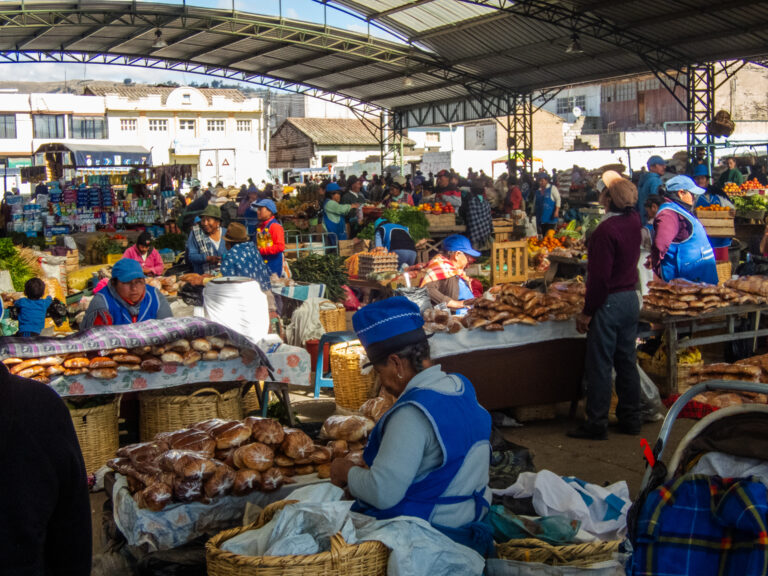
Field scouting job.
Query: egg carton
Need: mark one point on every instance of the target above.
(372, 263)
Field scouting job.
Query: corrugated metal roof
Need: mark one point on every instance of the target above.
(136, 92)
(336, 131)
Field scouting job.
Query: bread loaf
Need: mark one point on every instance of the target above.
(50, 361)
(321, 455)
(11, 361)
(126, 358)
(54, 370)
(191, 357)
(229, 434)
(210, 355)
(265, 430)
(180, 346)
(227, 456)
(283, 461)
(201, 345)
(217, 341)
(246, 481)
(141, 350)
(23, 365)
(144, 455)
(187, 489)
(297, 444)
(41, 378)
(307, 469)
(172, 358)
(151, 365)
(256, 456)
(185, 464)
(349, 428)
(375, 408)
(271, 480)
(323, 471)
(338, 448)
(220, 482)
(154, 497)
(190, 440)
(31, 371)
(228, 353)
(102, 362)
(103, 373)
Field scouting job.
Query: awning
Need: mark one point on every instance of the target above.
(85, 155)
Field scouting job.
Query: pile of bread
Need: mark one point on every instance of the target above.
(167, 285)
(683, 298)
(194, 279)
(724, 371)
(107, 363)
(216, 458)
(514, 304)
(754, 369)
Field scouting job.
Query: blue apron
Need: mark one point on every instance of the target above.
(339, 228)
(387, 229)
(545, 207)
(121, 315)
(713, 200)
(444, 412)
(692, 259)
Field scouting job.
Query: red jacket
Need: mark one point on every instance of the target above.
(277, 234)
(153, 263)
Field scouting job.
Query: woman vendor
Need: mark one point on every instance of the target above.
(270, 236)
(126, 299)
(712, 196)
(242, 258)
(334, 213)
(395, 238)
(205, 245)
(143, 252)
(397, 192)
(445, 279)
(420, 463)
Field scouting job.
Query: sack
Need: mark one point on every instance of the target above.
(651, 408)
(418, 296)
(58, 312)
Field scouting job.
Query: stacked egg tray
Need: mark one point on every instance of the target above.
(372, 263)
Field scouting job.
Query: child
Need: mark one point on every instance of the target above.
(31, 310)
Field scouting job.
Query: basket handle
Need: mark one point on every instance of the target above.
(198, 392)
(337, 545)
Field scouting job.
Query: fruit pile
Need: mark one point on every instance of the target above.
(548, 242)
(732, 189)
(753, 184)
(436, 208)
(713, 208)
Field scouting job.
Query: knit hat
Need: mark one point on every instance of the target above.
(236, 233)
(622, 192)
(388, 326)
(212, 212)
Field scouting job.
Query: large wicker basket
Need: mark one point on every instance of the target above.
(97, 433)
(251, 402)
(657, 371)
(364, 559)
(334, 319)
(723, 272)
(163, 412)
(576, 555)
(351, 387)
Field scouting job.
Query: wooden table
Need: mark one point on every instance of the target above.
(717, 319)
(371, 291)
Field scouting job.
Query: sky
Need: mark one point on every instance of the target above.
(306, 10)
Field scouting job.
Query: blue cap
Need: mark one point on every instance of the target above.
(701, 170)
(388, 326)
(333, 187)
(459, 243)
(126, 270)
(266, 203)
(653, 160)
(683, 183)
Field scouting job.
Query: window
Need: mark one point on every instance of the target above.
(48, 126)
(216, 125)
(433, 138)
(186, 99)
(87, 127)
(187, 125)
(566, 105)
(157, 125)
(243, 125)
(128, 124)
(7, 125)
(325, 160)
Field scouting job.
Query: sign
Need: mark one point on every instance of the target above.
(225, 163)
(209, 163)
(480, 137)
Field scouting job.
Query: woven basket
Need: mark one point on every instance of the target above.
(97, 433)
(364, 559)
(723, 272)
(350, 386)
(577, 555)
(334, 320)
(163, 412)
(251, 400)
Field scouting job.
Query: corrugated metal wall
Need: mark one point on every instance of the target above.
(289, 148)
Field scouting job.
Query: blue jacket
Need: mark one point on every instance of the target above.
(120, 315)
(648, 185)
(692, 259)
(32, 314)
(196, 257)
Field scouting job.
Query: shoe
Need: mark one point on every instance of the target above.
(588, 432)
(628, 429)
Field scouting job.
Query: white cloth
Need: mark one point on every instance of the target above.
(238, 304)
(730, 466)
(305, 322)
(601, 511)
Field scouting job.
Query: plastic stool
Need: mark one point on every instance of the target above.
(324, 380)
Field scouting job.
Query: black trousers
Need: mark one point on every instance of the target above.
(611, 345)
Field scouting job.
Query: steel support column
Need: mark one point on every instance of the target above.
(520, 140)
(700, 110)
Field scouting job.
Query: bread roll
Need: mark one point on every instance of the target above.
(297, 444)
(226, 456)
(31, 371)
(54, 370)
(41, 378)
(338, 448)
(187, 489)
(208, 425)
(185, 464)
(191, 357)
(126, 358)
(229, 434)
(283, 461)
(355, 446)
(16, 368)
(321, 455)
(220, 482)
(375, 408)
(287, 471)
(102, 362)
(188, 439)
(114, 351)
(217, 341)
(246, 481)
(265, 430)
(323, 470)
(75, 371)
(228, 353)
(141, 350)
(144, 455)
(256, 456)
(210, 355)
(349, 428)
(180, 346)
(155, 497)
(172, 358)
(128, 367)
(201, 345)
(50, 361)
(103, 373)
(302, 470)
(271, 480)
(157, 350)
(12, 361)
(151, 365)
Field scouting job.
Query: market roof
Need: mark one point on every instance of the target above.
(137, 92)
(101, 155)
(337, 131)
(442, 50)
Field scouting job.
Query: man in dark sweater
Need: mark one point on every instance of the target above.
(45, 513)
(611, 311)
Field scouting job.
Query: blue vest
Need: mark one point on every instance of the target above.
(388, 229)
(715, 200)
(649, 227)
(339, 228)
(459, 423)
(692, 259)
(120, 314)
(274, 262)
(545, 206)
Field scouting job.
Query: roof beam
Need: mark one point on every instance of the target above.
(430, 87)
(396, 9)
(56, 19)
(208, 49)
(300, 62)
(258, 54)
(92, 31)
(340, 69)
(464, 25)
(703, 10)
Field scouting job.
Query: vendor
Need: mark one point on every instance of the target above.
(445, 278)
(143, 252)
(611, 311)
(420, 462)
(513, 199)
(395, 238)
(650, 183)
(447, 189)
(712, 196)
(731, 174)
(680, 245)
(546, 203)
(397, 193)
(205, 245)
(242, 259)
(334, 213)
(126, 299)
(270, 236)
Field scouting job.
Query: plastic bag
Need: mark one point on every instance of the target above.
(418, 296)
(350, 300)
(651, 408)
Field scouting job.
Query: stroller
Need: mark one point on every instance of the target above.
(705, 509)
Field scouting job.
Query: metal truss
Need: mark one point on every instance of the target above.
(700, 111)
(520, 135)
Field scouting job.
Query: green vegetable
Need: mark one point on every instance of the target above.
(11, 260)
(328, 269)
(175, 242)
(367, 232)
(411, 218)
(105, 245)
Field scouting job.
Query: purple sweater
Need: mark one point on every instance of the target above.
(614, 250)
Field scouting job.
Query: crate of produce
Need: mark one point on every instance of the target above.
(97, 432)
(350, 385)
(349, 247)
(717, 223)
(441, 220)
(509, 262)
(369, 263)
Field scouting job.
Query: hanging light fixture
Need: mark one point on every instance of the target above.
(575, 46)
(159, 42)
(407, 81)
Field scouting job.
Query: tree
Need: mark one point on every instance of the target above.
(216, 84)
(127, 81)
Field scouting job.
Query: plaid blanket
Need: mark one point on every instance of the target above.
(703, 525)
(694, 409)
(149, 333)
(440, 268)
(206, 247)
(479, 221)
